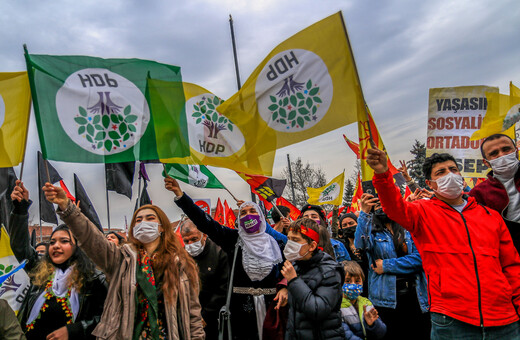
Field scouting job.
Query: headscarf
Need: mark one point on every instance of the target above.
(260, 252)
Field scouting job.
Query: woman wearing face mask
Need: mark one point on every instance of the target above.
(66, 296)
(257, 264)
(153, 291)
(315, 285)
(396, 280)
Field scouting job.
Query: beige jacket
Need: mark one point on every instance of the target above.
(119, 265)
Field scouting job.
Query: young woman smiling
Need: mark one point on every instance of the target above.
(66, 296)
(153, 291)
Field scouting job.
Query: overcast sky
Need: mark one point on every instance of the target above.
(402, 49)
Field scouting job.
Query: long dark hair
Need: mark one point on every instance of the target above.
(84, 268)
(379, 222)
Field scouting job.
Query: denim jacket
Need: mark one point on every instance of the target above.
(382, 288)
(340, 251)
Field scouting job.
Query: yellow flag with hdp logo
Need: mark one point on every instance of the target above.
(306, 86)
(503, 112)
(13, 281)
(15, 105)
(332, 193)
(217, 140)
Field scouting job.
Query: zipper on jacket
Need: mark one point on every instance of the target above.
(475, 265)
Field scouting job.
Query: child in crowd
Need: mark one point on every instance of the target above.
(360, 318)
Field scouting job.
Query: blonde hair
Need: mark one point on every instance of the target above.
(43, 273)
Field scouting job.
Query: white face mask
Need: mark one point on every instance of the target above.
(505, 166)
(450, 185)
(195, 248)
(146, 231)
(292, 251)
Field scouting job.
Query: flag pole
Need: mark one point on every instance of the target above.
(291, 178)
(139, 187)
(108, 204)
(40, 202)
(237, 73)
(372, 143)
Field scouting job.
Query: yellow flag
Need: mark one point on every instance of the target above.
(332, 193)
(14, 284)
(217, 140)
(306, 86)
(367, 127)
(15, 105)
(503, 112)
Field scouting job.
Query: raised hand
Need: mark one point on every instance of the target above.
(377, 160)
(55, 194)
(371, 316)
(19, 192)
(404, 171)
(367, 201)
(171, 184)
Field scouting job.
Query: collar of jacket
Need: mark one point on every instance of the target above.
(472, 203)
(491, 178)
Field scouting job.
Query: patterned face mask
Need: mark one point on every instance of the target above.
(352, 290)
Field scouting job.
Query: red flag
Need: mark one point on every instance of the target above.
(219, 213)
(353, 146)
(341, 210)
(407, 192)
(295, 213)
(230, 216)
(357, 195)
(67, 192)
(266, 188)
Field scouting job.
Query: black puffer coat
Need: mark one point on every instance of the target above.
(315, 299)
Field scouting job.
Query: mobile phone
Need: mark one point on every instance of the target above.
(368, 188)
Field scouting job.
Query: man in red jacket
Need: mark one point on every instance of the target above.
(471, 264)
(501, 191)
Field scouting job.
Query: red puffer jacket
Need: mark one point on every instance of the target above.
(472, 267)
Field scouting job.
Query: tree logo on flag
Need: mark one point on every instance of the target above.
(512, 117)
(210, 132)
(196, 177)
(330, 193)
(294, 90)
(102, 111)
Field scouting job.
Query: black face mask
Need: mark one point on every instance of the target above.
(350, 232)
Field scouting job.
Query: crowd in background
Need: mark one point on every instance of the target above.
(439, 264)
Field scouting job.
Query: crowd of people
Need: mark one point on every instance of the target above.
(438, 264)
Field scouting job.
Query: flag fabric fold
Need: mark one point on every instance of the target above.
(15, 281)
(120, 177)
(93, 110)
(353, 146)
(332, 193)
(306, 86)
(219, 213)
(230, 216)
(295, 212)
(216, 140)
(197, 175)
(15, 106)
(144, 198)
(85, 204)
(266, 188)
(503, 112)
(7, 183)
(367, 129)
(47, 212)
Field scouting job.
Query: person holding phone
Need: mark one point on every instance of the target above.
(396, 281)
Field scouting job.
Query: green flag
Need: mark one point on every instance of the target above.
(197, 175)
(94, 110)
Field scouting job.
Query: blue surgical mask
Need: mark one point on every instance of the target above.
(352, 290)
